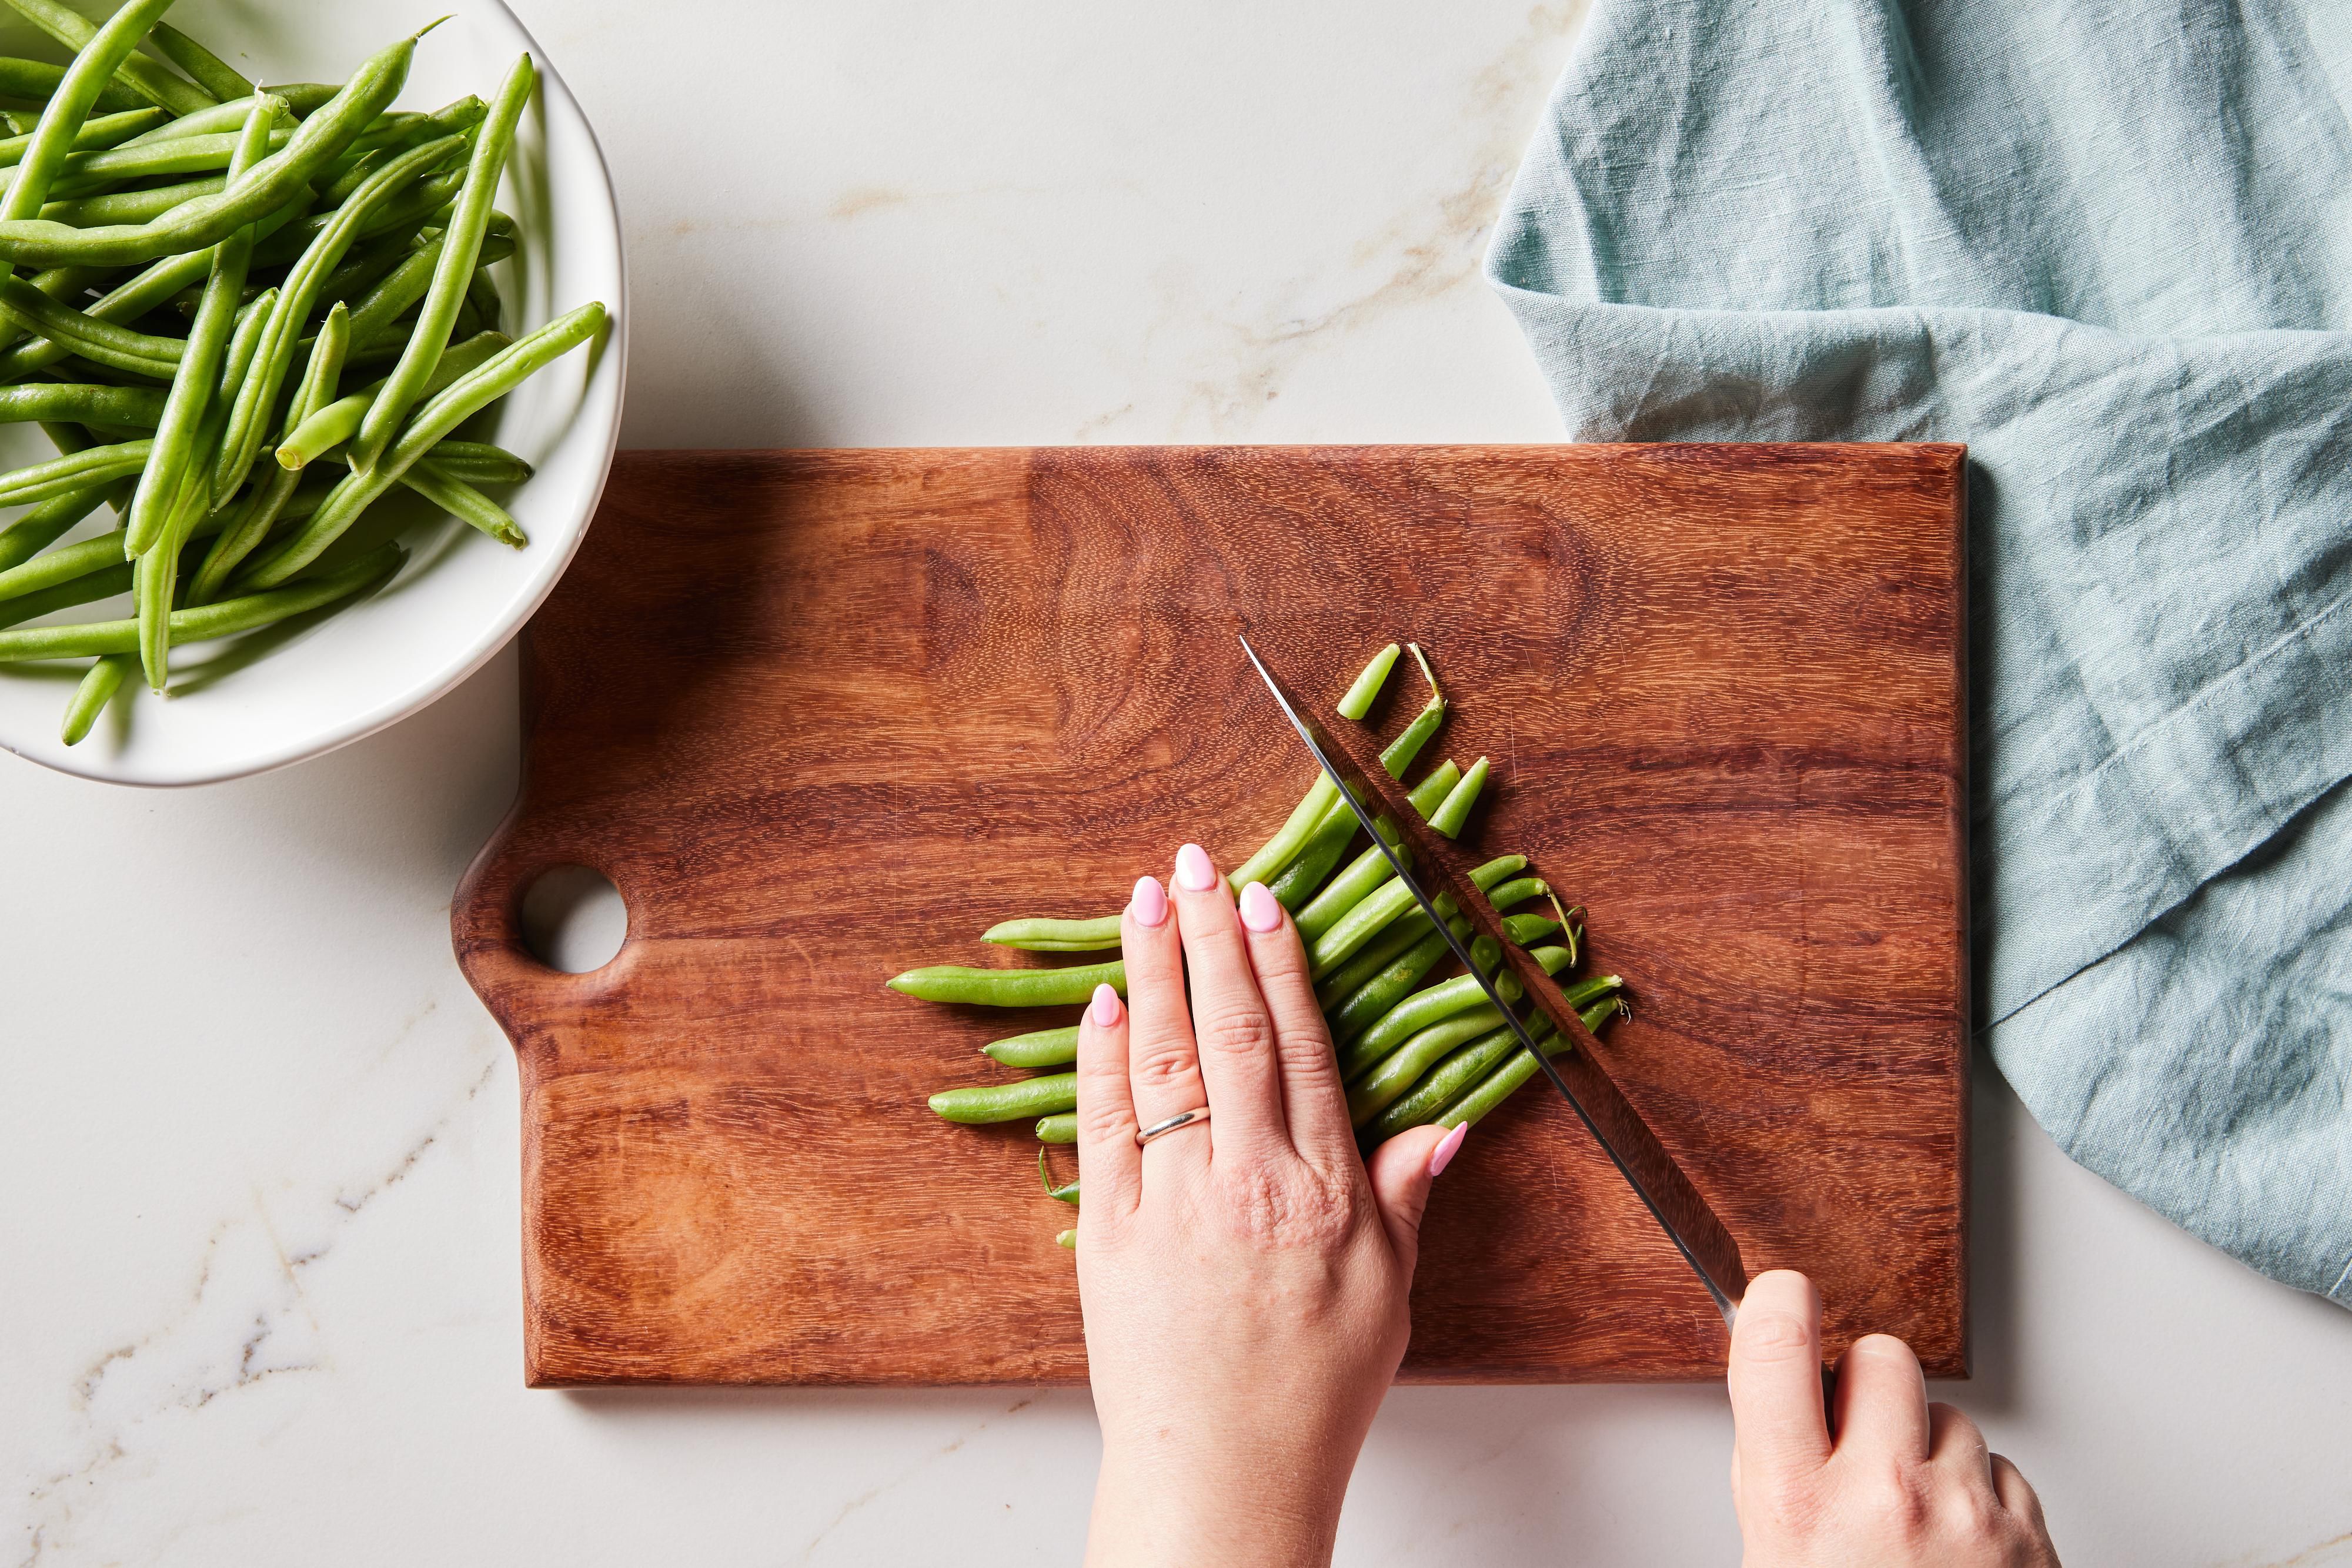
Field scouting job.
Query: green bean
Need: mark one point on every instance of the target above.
(482, 289)
(1498, 1086)
(200, 364)
(46, 524)
(460, 244)
(89, 699)
(270, 183)
(86, 172)
(241, 442)
(1365, 1044)
(84, 589)
(1042, 1048)
(209, 621)
(144, 76)
(303, 98)
(1067, 1193)
(1445, 1083)
(1386, 903)
(1041, 1096)
(125, 207)
(75, 561)
(1060, 1129)
(1351, 886)
(154, 586)
(398, 289)
(1382, 1084)
(36, 80)
(206, 69)
(1296, 883)
(98, 466)
(1360, 697)
(1407, 931)
(477, 462)
(128, 302)
(1449, 817)
(253, 523)
(470, 393)
(465, 503)
(327, 428)
(1388, 1079)
(102, 49)
(1382, 989)
(100, 341)
(1011, 988)
(105, 130)
(1067, 1240)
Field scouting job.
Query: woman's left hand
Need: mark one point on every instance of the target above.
(1243, 1280)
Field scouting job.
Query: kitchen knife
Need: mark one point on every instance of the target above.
(1355, 771)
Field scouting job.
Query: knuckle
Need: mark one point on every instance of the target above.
(1240, 1032)
(1161, 1061)
(1775, 1337)
(1290, 1206)
(1101, 1118)
(1896, 1496)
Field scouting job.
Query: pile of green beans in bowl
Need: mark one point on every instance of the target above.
(243, 315)
(1417, 1040)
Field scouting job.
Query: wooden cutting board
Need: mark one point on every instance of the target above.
(825, 715)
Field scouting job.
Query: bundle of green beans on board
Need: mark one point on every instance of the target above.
(190, 239)
(1415, 1045)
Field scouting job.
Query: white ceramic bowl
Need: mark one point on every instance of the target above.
(461, 596)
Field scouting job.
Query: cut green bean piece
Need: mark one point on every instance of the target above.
(226, 619)
(461, 242)
(1360, 697)
(1011, 988)
(1499, 1085)
(89, 699)
(1067, 1240)
(1060, 1129)
(1042, 1048)
(1449, 817)
(1045, 1096)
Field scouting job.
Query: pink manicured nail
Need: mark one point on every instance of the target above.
(1193, 871)
(1442, 1156)
(1149, 903)
(1259, 911)
(1105, 1011)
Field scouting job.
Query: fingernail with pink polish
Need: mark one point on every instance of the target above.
(1104, 1009)
(1442, 1156)
(1149, 903)
(1193, 871)
(1259, 911)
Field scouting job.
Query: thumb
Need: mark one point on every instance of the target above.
(1401, 1171)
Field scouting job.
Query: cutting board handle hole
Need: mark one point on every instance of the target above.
(573, 918)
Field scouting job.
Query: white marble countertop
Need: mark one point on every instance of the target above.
(258, 1142)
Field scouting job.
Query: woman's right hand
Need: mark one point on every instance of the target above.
(1902, 1483)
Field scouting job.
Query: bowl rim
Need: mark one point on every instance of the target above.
(434, 686)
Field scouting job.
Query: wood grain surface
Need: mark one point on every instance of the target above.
(825, 716)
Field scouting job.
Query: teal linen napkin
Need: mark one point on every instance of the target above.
(2109, 247)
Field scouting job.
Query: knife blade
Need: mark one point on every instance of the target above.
(1579, 1075)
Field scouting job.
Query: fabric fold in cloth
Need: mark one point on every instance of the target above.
(2111, 251)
